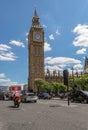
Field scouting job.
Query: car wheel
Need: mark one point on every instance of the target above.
(23, 100)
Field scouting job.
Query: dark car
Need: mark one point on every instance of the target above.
(79, 96)
(44, 95)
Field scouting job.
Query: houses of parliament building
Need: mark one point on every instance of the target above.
(36, 55)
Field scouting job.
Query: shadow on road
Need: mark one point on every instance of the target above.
(54, 106)
(13, 108)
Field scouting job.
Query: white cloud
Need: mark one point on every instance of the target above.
(27, 33)
(6, 81)
(57, 32)
(27, 36)
(27, 39)
(44, 26)
(2, 75)
(53, 67)
(61, 60)
(4, 47)
(78, 66)
(81, 39)
(60, 63)
(47, 47)
(7, 56)
(51, 37)
(17, 43)
(81, 51)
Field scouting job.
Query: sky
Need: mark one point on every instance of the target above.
(65, 24)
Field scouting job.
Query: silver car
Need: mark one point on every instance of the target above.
(29, 97)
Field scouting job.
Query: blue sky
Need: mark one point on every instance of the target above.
(65, 24)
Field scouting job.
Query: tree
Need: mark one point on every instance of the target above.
(50, 87)
(81, 82)
(39, 85)
(58, 87)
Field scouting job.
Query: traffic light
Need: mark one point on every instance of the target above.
(65, 77)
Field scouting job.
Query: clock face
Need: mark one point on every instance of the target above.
(37, 36)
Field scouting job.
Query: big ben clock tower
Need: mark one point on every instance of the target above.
(35, 51)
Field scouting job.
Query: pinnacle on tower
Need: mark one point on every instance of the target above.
(35, 19)
(35, 13)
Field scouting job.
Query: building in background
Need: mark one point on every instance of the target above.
(25, 87)
(53, 76)
(4, 88)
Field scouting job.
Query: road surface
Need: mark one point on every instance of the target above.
(44, 115)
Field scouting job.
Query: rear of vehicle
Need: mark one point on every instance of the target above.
(29, 97)
(44, 96)
(79, 96)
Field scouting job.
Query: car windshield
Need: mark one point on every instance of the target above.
(85, 92)
(46, 94)
(30, 94)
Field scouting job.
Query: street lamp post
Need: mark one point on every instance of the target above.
(73, 77)
(66, 82)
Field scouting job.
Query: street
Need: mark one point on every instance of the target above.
(44, 115)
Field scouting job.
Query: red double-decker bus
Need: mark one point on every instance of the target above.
(15, 88)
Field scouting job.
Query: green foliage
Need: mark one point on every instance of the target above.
(54, 87)
(81, 82)
(40, 84)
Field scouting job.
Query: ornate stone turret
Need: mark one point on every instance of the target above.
(35, 19)
(53, 76)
